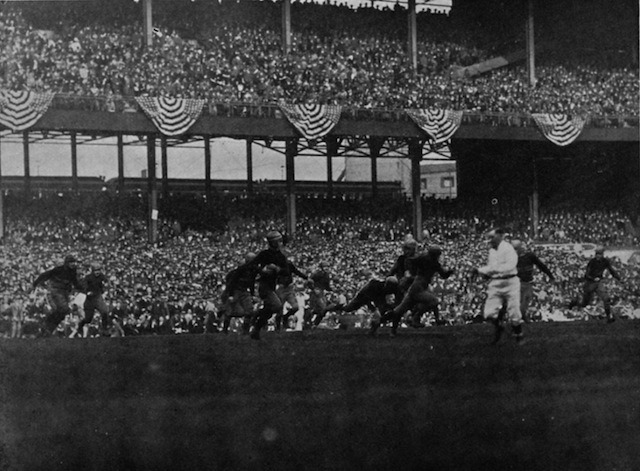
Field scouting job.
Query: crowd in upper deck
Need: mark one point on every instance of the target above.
(232, 52)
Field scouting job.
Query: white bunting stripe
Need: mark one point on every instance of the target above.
(172, 116)
(311, 120)
(440, 125)
(19, 111)
(560, 129)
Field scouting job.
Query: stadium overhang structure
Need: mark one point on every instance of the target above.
(372, 134)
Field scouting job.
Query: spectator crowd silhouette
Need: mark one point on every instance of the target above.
(231, 52)
(175, 286)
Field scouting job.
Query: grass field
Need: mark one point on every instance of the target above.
(437, 398)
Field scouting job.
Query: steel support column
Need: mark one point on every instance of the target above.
(147, 14)
(412, 46)
(375, 145)
(27, 162)
(249, 166)
(120, 164)
(332, 151)
(535, 201)
(530, 46)
(290, 152)
(74, 162)
(207, 168)
(415, 153)
(286, 26)
(164, 162)
(152, 190)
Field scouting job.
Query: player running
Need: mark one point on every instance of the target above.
(60, 282)
(238, 294)
(272, 262)
(504, 285)
(526, 262)
(320, 284)
(418, 298)
(95, 286)
(594, 283)
(377, 294)
(286, 292)
(404, 271)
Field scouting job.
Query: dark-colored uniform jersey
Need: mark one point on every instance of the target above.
(526, 262)
(94, 287)
(62, 278)
(286, 277)
(242, 278)
(404, 270)
(238, 294)
(418, 298)
(318, 305)
(272, 263)
(268, 278)
(426, 267)
(321, 280)
(374, 292)
(596, 268)
(594, 285)
(401, 267)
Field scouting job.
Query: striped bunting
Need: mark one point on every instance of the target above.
(172, 116)
(440, 125)
(560, 129)
(313, 121)
(21, 110)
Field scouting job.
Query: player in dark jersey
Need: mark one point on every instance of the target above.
(526, 262)
(594, 283)
(403, 268)
(379, 294)
(320, 284)
(272, 263)
(94, 287)
(286, 292)
(418, 297)
(60, 280)
(404, 271)
(238, 294)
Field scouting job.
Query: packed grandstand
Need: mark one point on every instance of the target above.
(230, 52)
(172, 287)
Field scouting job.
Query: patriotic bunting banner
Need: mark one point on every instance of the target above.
(559, 128)
(21, 110)
(441, 125)
(313, 121)
(172, 116)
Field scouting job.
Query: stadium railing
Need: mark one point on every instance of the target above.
(116, 103)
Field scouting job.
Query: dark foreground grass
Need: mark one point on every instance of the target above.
(440, 398)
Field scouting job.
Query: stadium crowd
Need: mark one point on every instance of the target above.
(231, 52)
(175, 286)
